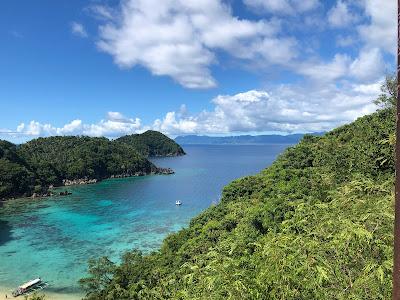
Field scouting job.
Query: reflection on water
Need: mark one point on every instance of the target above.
(53, 238)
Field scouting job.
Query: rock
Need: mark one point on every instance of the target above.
(79, 181)
(124, 175)
(164, 171)
(65, 193)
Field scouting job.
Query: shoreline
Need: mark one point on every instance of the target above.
(49, 295)
(86, 181)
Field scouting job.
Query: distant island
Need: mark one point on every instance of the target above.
(241, 139)
(33, 168)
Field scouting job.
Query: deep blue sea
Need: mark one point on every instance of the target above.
(54, 237)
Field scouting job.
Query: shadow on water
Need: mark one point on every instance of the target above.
(5, 232)
(64, 290)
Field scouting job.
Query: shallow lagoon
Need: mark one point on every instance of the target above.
(53, 238)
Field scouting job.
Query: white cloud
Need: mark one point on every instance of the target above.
(287, 108)
(78, 29)
(34, 128)
(368, 89)
(326, 71)
(180, 38)
(184, 39)
(73, 127)
(369, 65)
(340, 15)
(381, 31)
(283, 6)
(101, 12)
(345, 41)
(115, 124)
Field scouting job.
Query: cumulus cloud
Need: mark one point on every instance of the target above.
(287, 108)
(180, 38)
(340, 15)
(381, 31)
(78, 30)
(282, 6)
(184, 39)
(345, 41)
(369, 65)
(34, 128)
(326, 71)
(115, 124)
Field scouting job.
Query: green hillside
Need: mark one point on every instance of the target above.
(35, 165)
(16, 178)
(152, 143)
(317, 224)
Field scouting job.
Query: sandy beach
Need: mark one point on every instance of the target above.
(49, 295)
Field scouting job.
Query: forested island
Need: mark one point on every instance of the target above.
(32, 168)
(316, 224)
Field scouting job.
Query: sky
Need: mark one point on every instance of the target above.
(215, 67)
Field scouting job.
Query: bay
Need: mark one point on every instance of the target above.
(53, 238)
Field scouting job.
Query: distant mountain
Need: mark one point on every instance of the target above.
(241, 139)
(152, 143)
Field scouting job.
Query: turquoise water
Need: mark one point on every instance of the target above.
(53, 238)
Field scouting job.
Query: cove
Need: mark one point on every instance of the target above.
(54, 237)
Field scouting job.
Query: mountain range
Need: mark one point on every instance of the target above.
(242, 139)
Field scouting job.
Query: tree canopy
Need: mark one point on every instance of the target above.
(388, 97)
(34, 166)
(152, 143)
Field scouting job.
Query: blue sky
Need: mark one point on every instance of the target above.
(109, 68)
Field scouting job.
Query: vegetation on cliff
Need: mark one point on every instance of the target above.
(16, 177)
(316, 224)
(152, 143)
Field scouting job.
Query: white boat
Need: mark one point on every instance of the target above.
(178, 202)
(27, 286)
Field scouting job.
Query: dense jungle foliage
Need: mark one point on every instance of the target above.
(34, 166)
(152, 143)
(16, 177)
(316, 224)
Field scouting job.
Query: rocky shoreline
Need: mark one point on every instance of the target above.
(84, 181)
(158, 171)
(167, 155)
(81, 181)
(68, 182)
(164, 171)
(49, 193)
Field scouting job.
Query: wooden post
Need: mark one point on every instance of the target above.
(396, 249)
